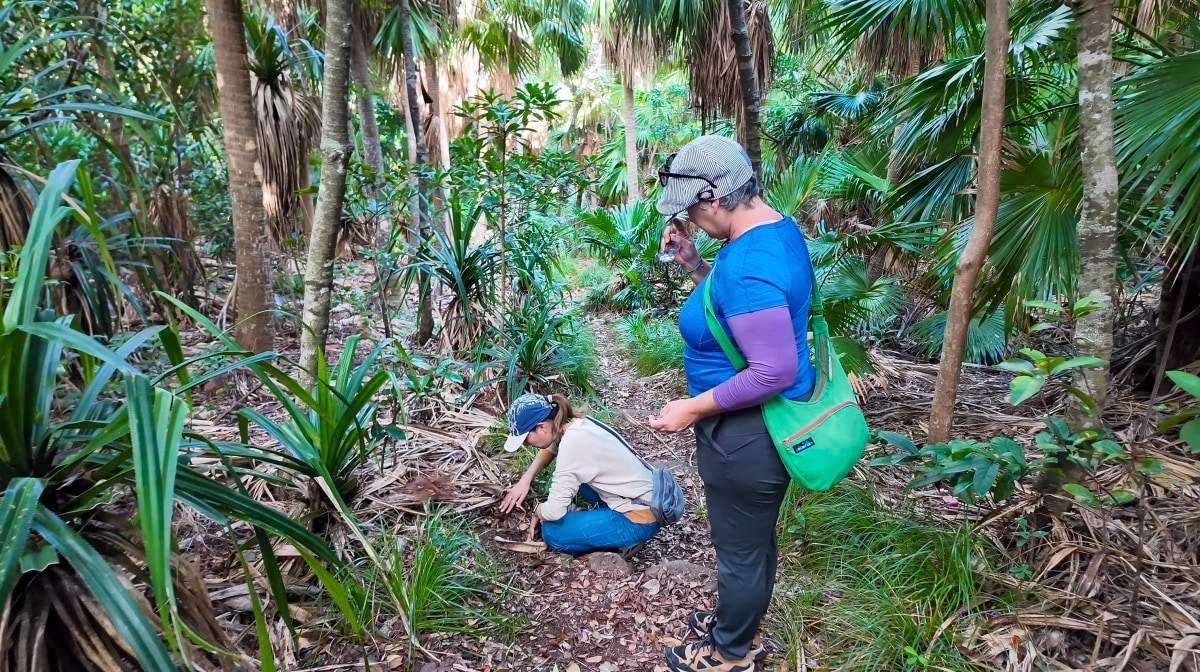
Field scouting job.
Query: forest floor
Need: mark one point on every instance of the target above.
(601, 614)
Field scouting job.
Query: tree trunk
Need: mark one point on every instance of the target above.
(1097, 228)
(241, 159)
(749, 84)
(987, 204)
(438, 114)
(419, 220)
(372, 147)
(632, 180)
(331, 191)
(1178, 320)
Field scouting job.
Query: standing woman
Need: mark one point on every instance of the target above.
(760, 293)
(594, 462)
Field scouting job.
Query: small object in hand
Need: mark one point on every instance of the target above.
(668, 255)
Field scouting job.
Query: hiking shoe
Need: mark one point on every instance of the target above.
(702, 656)
(701, 623)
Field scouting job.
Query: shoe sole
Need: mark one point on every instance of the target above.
(673, 662)
(760, 653)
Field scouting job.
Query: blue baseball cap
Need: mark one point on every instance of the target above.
(525, 414)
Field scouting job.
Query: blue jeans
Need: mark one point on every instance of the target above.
(598, 529)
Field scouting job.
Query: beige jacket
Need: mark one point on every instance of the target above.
(589, 454)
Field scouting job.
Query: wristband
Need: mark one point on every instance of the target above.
(696, 267)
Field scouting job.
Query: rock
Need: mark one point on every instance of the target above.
(680, 569)
(608, 564)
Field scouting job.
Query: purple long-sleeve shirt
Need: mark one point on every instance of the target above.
(768, 342)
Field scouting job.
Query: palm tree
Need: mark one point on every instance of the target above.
(417, 215)
(245, 189)
(335, 152)
(288, 120)
(719, 39)
(629, 46)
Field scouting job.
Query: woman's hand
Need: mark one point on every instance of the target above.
(676, 416)
(534, 521)
(676, 236)
(515, 497)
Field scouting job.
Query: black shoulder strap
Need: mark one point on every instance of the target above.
(625, 443)
(636, 500)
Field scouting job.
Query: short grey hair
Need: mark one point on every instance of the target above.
(743, 195)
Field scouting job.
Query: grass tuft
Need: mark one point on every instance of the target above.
(652, 343)
(868, 588)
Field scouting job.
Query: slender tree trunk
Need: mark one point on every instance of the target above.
(331, 191)
(987, 203)
(245, 189)
(438, 114)
(1178, 321)
(419, 220)
(750, 93)
(1097, 228)
(372, 146)
(632, 178)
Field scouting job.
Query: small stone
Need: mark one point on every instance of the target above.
(652, 587)
(679, 568)
(608, 564)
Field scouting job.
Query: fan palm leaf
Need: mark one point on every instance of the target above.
(1157, 120)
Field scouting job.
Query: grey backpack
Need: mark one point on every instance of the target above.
(666, 499)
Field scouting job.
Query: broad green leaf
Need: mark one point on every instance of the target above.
(1186, 381)
(1044, 305)
(889, 460)
(1017, 366)
(17, 508)
(1085, 399)
(1178, 419)
(1121, 497)
(984, 478)
(1022, 388)
(1077, 363)
(1081, 493)
(1150, 466)
(898, 440)
(1032, 354)
(107, 589)
(1191, 435)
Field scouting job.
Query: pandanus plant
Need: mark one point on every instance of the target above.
(90, 578)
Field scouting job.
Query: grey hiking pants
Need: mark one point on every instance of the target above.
(744, 486)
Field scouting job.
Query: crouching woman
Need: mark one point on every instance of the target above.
(592, 461)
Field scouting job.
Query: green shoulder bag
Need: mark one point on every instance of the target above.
(818, 440)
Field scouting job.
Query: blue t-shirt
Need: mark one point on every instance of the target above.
(765, 267)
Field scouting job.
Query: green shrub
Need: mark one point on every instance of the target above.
(872, 581)
(439, 576)
(652, 344)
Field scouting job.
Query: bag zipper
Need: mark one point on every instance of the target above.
(819, 419)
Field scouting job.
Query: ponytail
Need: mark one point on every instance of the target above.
(561, 413)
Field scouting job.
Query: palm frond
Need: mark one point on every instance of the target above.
(987, 338)
(1157, 125)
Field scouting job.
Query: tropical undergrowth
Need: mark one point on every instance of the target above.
(868, 585)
